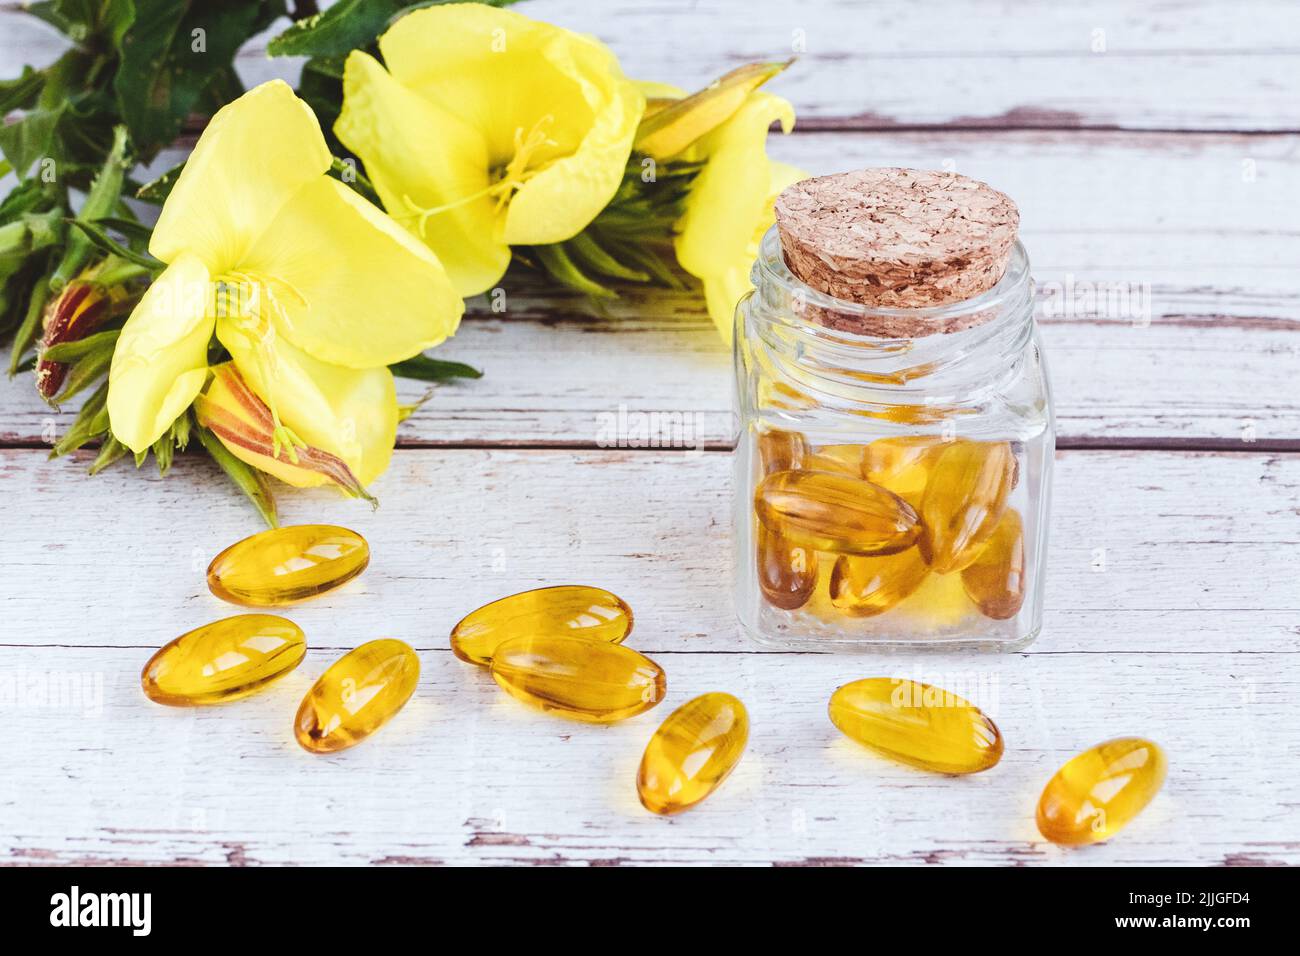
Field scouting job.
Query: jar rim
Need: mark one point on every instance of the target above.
(771, 270)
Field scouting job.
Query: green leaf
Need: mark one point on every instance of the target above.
(253, 483)
(104, 194)
(170, 54)
(110, 451)
(83, 373)
(427, 369)
(131, 228)
(20, 93)
(595, 257)
(72, 351)
(27, 330)
(101, 239)
(345, 26)
(30, 138)
(156, 191)
(90, 423)
(562, 269)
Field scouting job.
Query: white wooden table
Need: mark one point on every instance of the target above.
(1171, 160)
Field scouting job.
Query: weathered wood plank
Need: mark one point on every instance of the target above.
(1160, 553)
(1191, 64)
(1112, 233)
(97, 774)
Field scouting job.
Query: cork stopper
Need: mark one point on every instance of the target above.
(896, 239)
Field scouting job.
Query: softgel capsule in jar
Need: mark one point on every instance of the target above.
(893, 468)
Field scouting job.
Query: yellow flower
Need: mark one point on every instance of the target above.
(488, 130)
(313, 290)
(730, 203)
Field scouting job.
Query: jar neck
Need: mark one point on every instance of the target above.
(805, 336)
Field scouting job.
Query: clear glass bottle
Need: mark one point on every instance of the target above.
(955, 426)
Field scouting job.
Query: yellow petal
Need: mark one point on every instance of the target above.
(561, 200)
(348, 284)
(731, 197)
(161, 358)
(724, 288)
(421, 157)
(346, 412)
(514, 79)
(680, 123)
(255, 154)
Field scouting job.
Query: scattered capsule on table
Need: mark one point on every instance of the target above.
(829, 512)
(787, 573)
(1099, 792)
(287, 565)
(781, 450)
(963, 500)
(917, 724)
(866, 586)
(587, 680)
(223, 661)
(358, 694)
(572, 610)
(902, 464)
(692, 753)
(995, 580)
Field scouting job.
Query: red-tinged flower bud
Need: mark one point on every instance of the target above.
(81, 308)
(235, 414)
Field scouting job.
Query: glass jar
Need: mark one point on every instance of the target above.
(890, 491)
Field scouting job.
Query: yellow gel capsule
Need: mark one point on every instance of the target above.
(358, 694)
(964, 498)
(692, 752)
(902, 464)
(287, 565)
(842, 459)
(781, 450)
(787, 573)
(866, 586)
(223, 661)
(995, 580)
(572, 610)
(587, 680)
(1100, 791)
(918, 724)
(828, 512)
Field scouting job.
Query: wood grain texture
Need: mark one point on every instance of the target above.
(1151, 553)
(466, 774)
(1172, 594)
(1188, 636)
(1181, 322)
(1187, 64)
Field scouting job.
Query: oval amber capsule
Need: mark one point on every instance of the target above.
(787, 573)
(995, 580)
(287, 565)
(572, 610)
(829, 512)
(574, 677)
(1100, 791)
(866, 586)
(918, 724)
(902, 464)
(692, 752)
(781, 450)
(358, 694)
(964, 498)
(223, 661)
(842, 459)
